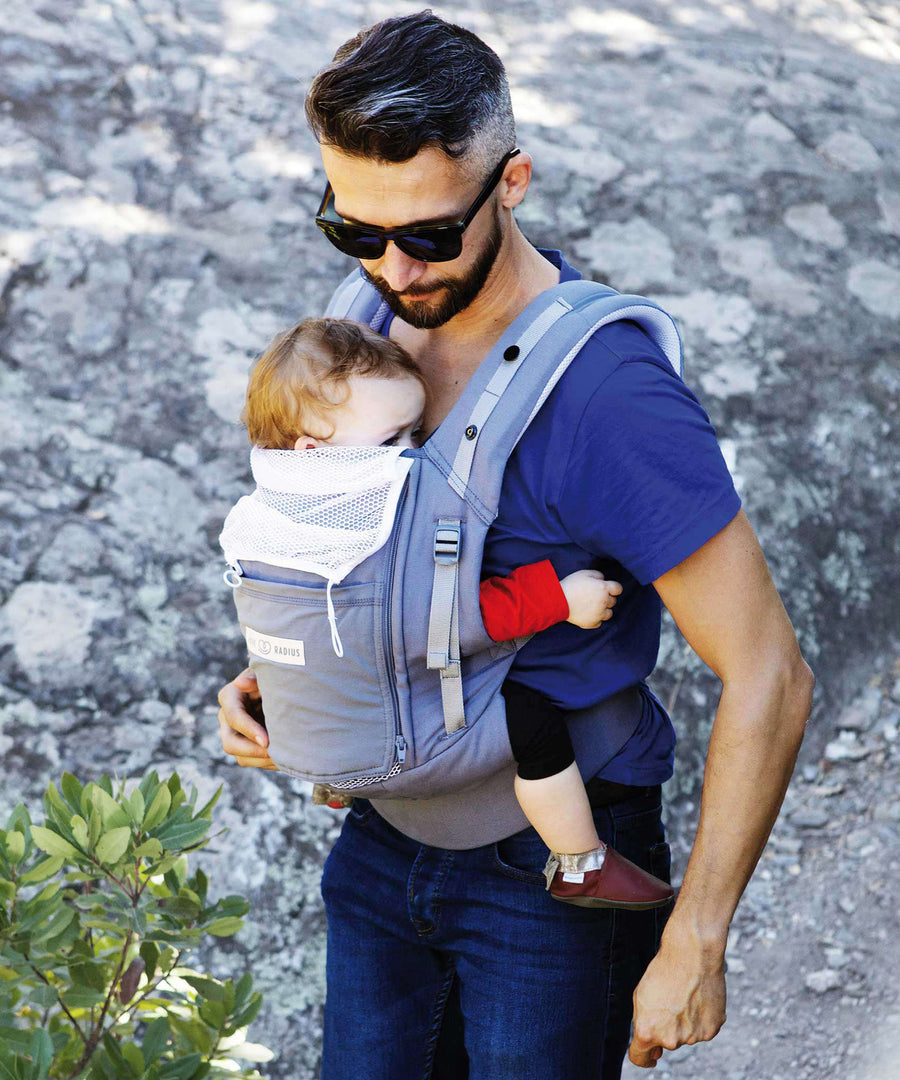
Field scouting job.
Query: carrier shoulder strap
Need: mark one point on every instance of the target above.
(576, 311)
(355, 298)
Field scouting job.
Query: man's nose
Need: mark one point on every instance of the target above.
(398, 269)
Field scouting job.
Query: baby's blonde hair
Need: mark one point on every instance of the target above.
(304, 372)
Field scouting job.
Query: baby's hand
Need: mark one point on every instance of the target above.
(591, 598)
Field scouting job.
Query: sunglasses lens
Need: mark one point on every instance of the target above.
(358, 245)
(441, 247)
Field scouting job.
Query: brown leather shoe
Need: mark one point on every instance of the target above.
(604, 878)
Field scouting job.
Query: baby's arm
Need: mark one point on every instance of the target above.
(532, 598)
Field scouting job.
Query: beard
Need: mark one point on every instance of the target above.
(458, 293)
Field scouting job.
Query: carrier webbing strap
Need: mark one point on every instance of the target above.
(443, 622)
(490, 396)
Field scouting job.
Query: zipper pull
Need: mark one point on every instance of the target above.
(400, 743)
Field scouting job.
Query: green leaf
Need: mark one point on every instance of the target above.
(156, 1037)
(150, 955)
(90, 975)
(6, 1070)
(224, 927)
(135, 806)
(41, 1051)
(54, 926)
(80, 831)
(248, 1015)
(113, 845)
(53, 843)
(214, 1014)
(242, 989)
(150, 849)
(112, 815)
(96, 825)
(134, 1057)
(208, 988)
(84, 997)
(206, 811)
(15, 846)
(182, 835)
(158, 808)
(71, 789)
(182, 1069)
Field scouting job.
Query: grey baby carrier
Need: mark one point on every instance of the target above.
(358, 589)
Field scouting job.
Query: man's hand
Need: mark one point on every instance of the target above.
(680, 1000)
(243, 736)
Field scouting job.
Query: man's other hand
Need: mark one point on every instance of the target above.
(242, 735)
(680, 1000)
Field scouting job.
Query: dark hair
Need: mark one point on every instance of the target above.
(304, 373)
(413, 82)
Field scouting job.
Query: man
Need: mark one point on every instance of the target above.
(457, 962)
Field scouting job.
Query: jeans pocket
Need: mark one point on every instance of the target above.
(522, 857)
(360, 812)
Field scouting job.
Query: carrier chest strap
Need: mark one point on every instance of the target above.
(443, 622)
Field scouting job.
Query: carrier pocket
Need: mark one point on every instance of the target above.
(330, 718)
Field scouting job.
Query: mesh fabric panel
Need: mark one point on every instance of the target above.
(322, 510)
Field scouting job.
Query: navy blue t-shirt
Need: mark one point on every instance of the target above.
(619, 471)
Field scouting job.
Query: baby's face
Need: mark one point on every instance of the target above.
(377, 412)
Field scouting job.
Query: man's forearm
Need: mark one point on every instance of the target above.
(755, 739)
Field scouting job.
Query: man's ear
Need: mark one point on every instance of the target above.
(516, 179)
(307, 442)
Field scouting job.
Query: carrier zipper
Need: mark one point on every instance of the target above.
(399, 740)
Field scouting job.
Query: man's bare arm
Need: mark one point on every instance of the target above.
(724, 601)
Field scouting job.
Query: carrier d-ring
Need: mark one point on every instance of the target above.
(232, 577)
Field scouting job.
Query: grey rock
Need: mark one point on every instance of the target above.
(763, 125)
(846, 748)
(813, 222)
(724, 319)
(862, 714)
(876, 285)
(809, 819)
(850, 151)
(151, 503)
(50, 628)
(754, 259)
(631, 256)
(820, 982)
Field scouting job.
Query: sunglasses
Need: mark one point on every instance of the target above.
(425, 243)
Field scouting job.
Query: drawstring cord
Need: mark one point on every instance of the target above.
(336, 643)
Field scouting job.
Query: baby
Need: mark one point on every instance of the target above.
(334, 382)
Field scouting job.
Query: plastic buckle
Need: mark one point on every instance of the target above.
(446, 544)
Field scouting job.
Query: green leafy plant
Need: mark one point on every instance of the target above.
(96, 913)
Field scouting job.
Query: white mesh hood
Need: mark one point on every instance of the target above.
(322, 510)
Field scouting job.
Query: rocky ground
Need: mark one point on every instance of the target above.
(736, 161)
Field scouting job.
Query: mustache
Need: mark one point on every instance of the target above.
(412, 291)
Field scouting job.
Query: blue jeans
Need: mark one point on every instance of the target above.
(458, 965)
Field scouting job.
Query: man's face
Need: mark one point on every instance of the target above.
(428, 189)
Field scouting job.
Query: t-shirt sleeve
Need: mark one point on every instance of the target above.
(646, 482)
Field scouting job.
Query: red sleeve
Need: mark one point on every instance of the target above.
(527, 601)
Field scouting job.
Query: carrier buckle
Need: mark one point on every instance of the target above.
(446, 544)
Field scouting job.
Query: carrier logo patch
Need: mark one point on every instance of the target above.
(281, 650)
